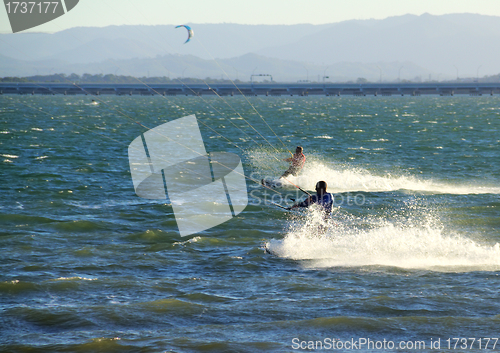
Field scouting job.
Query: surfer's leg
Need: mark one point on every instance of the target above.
(289, 171)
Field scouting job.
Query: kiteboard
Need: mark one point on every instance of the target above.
(272, 183)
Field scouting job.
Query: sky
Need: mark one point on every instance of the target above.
(100, 13)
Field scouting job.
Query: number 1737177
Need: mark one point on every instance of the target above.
(31, 6)
(471, 343)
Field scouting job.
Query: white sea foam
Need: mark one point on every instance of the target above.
(347, 178)
(416, 239)
(75, 278)
(414, 245)
(344, 179)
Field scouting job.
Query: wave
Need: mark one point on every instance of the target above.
(24, 219)
(357, 179)
(79, 226)
(163, 306)
(17, 287)
(54, 318)
(347, 178)
(409, 246)
(153, 236)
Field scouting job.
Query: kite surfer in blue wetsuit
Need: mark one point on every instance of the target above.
(322, 198)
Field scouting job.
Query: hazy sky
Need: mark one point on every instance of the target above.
(120, 12)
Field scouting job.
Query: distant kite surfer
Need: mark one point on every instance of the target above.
(298, 160)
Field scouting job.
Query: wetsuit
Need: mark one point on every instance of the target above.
(298, 161)
(326, 201)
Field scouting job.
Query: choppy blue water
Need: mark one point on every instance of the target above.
(412, 254)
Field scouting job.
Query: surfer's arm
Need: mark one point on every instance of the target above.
(304, 203)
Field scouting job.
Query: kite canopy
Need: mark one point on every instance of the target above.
(190, 32)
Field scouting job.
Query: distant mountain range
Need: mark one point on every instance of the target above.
(398, 48)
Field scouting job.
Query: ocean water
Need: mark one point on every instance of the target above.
(410, 260)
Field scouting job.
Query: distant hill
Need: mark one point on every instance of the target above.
(404, 47)
(441, 44)
(79, 44)
(241, 68)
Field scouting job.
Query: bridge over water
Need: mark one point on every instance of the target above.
(253, 89)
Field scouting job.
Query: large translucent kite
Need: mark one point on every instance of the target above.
(190, 32)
